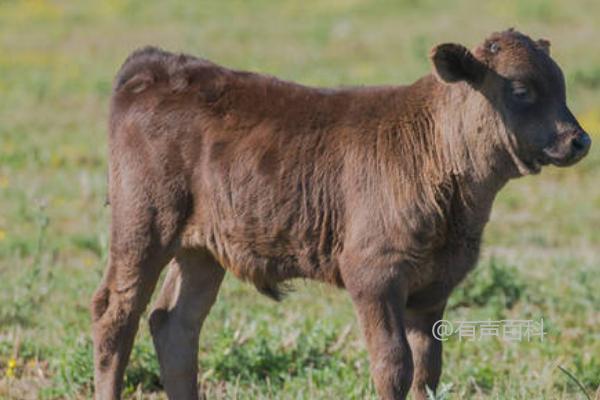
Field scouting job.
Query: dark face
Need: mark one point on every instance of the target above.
(527, 88)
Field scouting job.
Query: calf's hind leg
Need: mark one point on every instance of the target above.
(188, 293)
(128, 283)
(143, 240)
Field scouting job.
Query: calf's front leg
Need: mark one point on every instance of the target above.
(380, 308)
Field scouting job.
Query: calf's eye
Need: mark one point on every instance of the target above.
(522, 93)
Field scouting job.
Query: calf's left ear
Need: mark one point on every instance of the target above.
(544, 45)
(454, 62)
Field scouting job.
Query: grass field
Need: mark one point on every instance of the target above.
(57, 60)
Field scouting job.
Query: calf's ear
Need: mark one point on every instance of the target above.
(454, 62)
(544, 45)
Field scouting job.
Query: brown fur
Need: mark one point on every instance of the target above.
(382, 190)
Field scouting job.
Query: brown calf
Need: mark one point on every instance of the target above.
(382, 190)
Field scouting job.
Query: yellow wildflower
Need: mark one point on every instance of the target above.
(10, 368)
(88, 261)
(2, 235)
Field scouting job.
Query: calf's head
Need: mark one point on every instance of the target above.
(525, 89)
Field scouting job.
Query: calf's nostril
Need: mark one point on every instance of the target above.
(581, 142)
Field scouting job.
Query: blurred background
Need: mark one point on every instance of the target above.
(541, 255)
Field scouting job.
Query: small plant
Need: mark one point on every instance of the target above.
(30, 292)
(498, 286)
(443, 392)
(576, 381)
(143, 370)
(260, 358)
(73, 368)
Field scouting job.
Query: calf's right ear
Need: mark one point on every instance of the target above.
(454, 62)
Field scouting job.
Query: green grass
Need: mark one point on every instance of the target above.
(57, 60)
